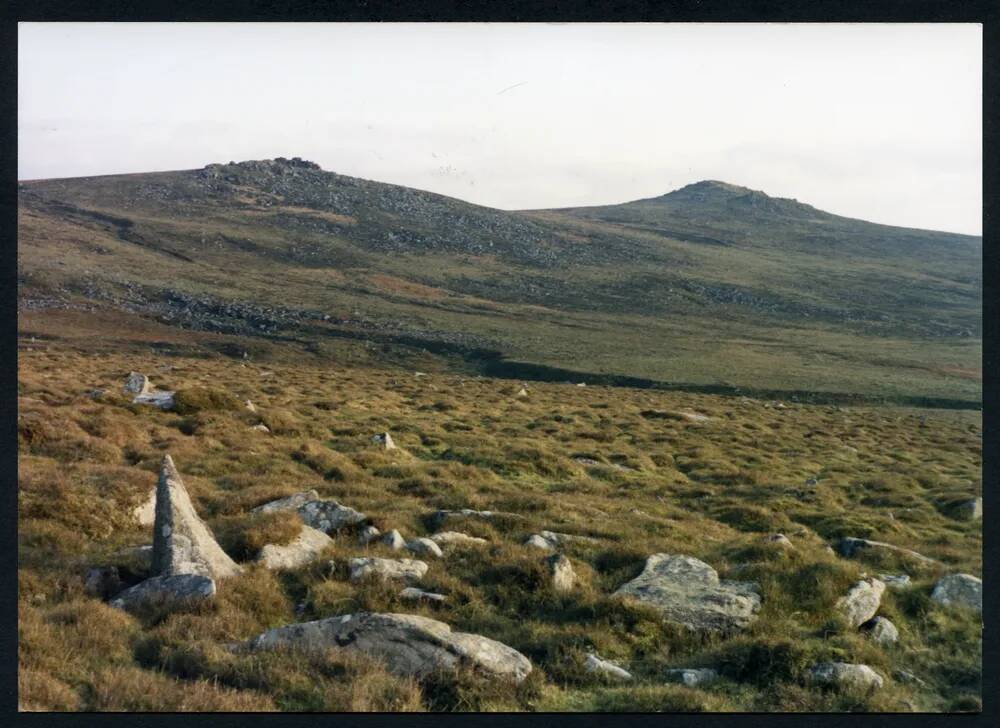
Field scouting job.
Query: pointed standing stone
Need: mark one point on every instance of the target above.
(182, 543)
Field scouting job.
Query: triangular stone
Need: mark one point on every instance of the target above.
(182, 543)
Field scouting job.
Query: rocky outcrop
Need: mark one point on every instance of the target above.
(604, 667)
(688, 592)
(408, 644)
(182, 543)
(166, 593)
(288, 503)
(536, 541)
(844, 675)
(862, 601)
(307, 547)
(405, 569)
(162, 399)
(454, 538)
(691, 676)
(562, 573)
(959, 590)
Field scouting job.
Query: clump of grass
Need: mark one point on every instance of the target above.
(191, 400)
(242, 537)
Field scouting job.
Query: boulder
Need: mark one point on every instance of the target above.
(522, 392)
(168, 593)
(137, 383)
(385, 440)
(145, 512)
(368, 534)
(424, 546)
(691, 676)
(411, 592)
(394, 540)
(688, 592)
(408, 644)
(406, 569)
(563, 576)
(849, 546)
(261, 427)
(288, 503)
(604, 667)
(454, 538)
(959, 590)
(182, 543)
(844, 675)
(881, 631)
(862, 601)
(779, 539)
(309, 544)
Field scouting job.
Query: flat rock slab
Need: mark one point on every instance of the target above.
(288, 503)
(182, 543)
(162, 399)
(329, 515)
(959, 590)
(849, 546)
(454, 538)
(411, 592)
(406, 569)
(688, 592)
(408, 644)
(168, 593)
(845, 675)
(306, 547)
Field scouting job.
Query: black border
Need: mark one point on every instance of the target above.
(913, 11)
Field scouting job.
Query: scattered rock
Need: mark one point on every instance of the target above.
(182, 543)
(394, 540)
(407, 569)
(895, 581)
(163, 400)
(145, 512)
(411, 592)
(845, 675)
(168, 593)
(137, 383)
(694, 417)
(250, 406)
(424, 546)
(779, 539)
(862, 601)
(563, 576)
(850, 546)
(409, 644)
(102, 582)
(881, 630)
(454, 538)
(288, 503)
(959, 590)
(368, 534)
(305, 548)
(328, 515)
(261, 427)
(691, 676)
(522, 392)
(385, 440)
(688, 592)
(597, 664)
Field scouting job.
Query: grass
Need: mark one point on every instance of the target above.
(711, 489)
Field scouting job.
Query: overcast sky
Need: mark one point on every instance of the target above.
(880, 122)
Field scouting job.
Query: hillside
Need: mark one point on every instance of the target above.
(709, 286)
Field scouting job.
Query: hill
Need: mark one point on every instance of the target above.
(712, 286)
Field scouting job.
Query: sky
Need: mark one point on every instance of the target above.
(880, 122)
